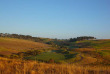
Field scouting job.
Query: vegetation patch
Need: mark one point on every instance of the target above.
(46, 56)
(104, 52)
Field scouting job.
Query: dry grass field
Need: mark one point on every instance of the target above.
(12, 45)
(9, 66)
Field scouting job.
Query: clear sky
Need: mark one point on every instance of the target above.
(56, 18)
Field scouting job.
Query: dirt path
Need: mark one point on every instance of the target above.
(81, 58)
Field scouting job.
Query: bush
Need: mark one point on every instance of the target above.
(51, 61)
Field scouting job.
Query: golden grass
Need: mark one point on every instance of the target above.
(84, 49)
(88, 60)
(15, 45)
(8, 66)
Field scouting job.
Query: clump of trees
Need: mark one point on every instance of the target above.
(82, 38)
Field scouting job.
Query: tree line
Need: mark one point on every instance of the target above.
(82, 38)
(19, 36)
(38, 39)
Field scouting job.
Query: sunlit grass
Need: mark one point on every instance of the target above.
(20, 45)
(8, 66)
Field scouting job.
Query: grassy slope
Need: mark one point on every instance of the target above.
(93, 51)
(12, 45)
(97, 44)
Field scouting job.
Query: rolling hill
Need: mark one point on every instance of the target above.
(13, 45)
(85, 52)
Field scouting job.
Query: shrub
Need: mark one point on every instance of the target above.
(51, 61)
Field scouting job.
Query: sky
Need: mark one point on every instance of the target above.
(56, 18)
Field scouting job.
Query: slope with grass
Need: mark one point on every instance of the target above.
(13, 45)
(97, 44)
(95, 52)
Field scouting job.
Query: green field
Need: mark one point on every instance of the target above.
(105, 52)
(97, 44)
(46, 56)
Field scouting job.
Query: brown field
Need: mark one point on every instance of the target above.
(12, 45)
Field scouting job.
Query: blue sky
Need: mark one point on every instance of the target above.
(56, 18)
